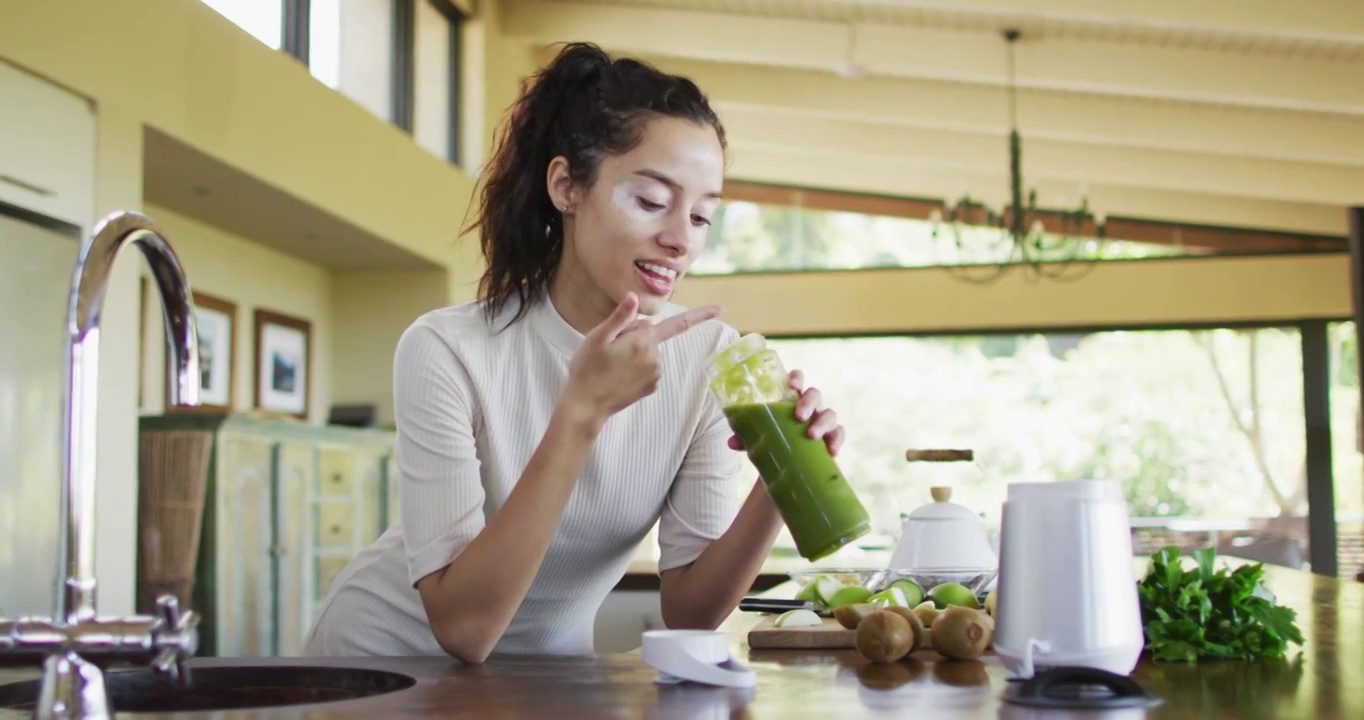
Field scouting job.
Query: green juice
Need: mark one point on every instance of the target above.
(815, 500)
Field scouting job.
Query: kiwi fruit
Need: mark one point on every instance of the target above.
(961, 633)
(850, 616)
(884, 637)
(990, 621)
(920, 632)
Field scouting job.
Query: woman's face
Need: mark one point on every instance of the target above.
(642, 223)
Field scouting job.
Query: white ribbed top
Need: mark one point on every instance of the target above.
(471, 405)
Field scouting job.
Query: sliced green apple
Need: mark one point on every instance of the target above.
(798, 618)
(848, 595)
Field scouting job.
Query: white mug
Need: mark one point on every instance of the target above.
(1067, 594)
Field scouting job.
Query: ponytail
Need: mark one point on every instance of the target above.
(583, 106)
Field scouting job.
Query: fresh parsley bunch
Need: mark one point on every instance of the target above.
(1211, 613)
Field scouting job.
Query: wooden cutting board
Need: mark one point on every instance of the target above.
(830, 635)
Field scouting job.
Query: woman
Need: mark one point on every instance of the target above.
(543, 430)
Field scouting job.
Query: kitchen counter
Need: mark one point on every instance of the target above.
(1321, 681)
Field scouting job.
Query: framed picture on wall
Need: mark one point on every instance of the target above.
(283, 355)
(217, 321)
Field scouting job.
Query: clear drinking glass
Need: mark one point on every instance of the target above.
(815, 500)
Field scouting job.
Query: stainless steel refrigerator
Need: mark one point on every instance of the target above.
(36, 261)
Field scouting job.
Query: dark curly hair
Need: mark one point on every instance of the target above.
(585, 105)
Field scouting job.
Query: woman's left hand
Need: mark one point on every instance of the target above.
(823, 422)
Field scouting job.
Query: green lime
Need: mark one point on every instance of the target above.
(953, 594)
(849, 595)
(913, 593)
(890, 596)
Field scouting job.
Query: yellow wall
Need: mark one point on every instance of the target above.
(372, 310)
(181, 67)
(251, 276)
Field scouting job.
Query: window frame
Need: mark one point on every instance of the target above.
(403, 78)
(296, 26)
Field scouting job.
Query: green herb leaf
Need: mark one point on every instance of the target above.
(1211, 612)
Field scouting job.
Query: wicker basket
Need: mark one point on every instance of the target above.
(172, 479)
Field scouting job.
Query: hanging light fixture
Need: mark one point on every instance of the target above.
(1059, 245)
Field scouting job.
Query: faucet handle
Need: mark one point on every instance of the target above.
(177, 639)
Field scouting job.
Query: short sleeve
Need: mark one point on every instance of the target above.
(704, 498)
(441, 488)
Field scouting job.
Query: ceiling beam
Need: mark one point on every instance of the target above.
(1061, 64)
(1194, 74)
(1340, 20)
(712, 36)
(1042, 114)
(1063, 162)
(898, 177)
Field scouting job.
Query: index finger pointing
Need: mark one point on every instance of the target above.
(682, 322)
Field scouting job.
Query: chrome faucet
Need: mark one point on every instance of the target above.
(74, 642)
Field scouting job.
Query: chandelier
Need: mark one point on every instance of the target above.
(1059, 245)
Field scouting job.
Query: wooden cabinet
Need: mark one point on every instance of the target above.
(286, 507)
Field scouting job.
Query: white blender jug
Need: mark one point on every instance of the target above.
(1067, 588)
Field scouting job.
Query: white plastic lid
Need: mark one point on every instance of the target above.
(942, 508)
(1081, 490)
(943, 511)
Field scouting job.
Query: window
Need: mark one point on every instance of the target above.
(1205, 428)
(324, 41)
(764, 228)
(399, 59)
(262, 18)
(351, 50)
(436, 127)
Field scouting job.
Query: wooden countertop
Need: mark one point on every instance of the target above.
(1325, 681)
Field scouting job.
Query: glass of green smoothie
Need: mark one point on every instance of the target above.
(816, 501)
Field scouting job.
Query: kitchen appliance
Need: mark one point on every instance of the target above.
(944, 536)
(1067, 595)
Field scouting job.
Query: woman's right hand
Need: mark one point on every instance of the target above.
(618, 362)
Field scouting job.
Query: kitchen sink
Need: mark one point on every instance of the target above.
(224, 688)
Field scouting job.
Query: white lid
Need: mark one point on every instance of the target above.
(1083, 490)
(942, 508)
